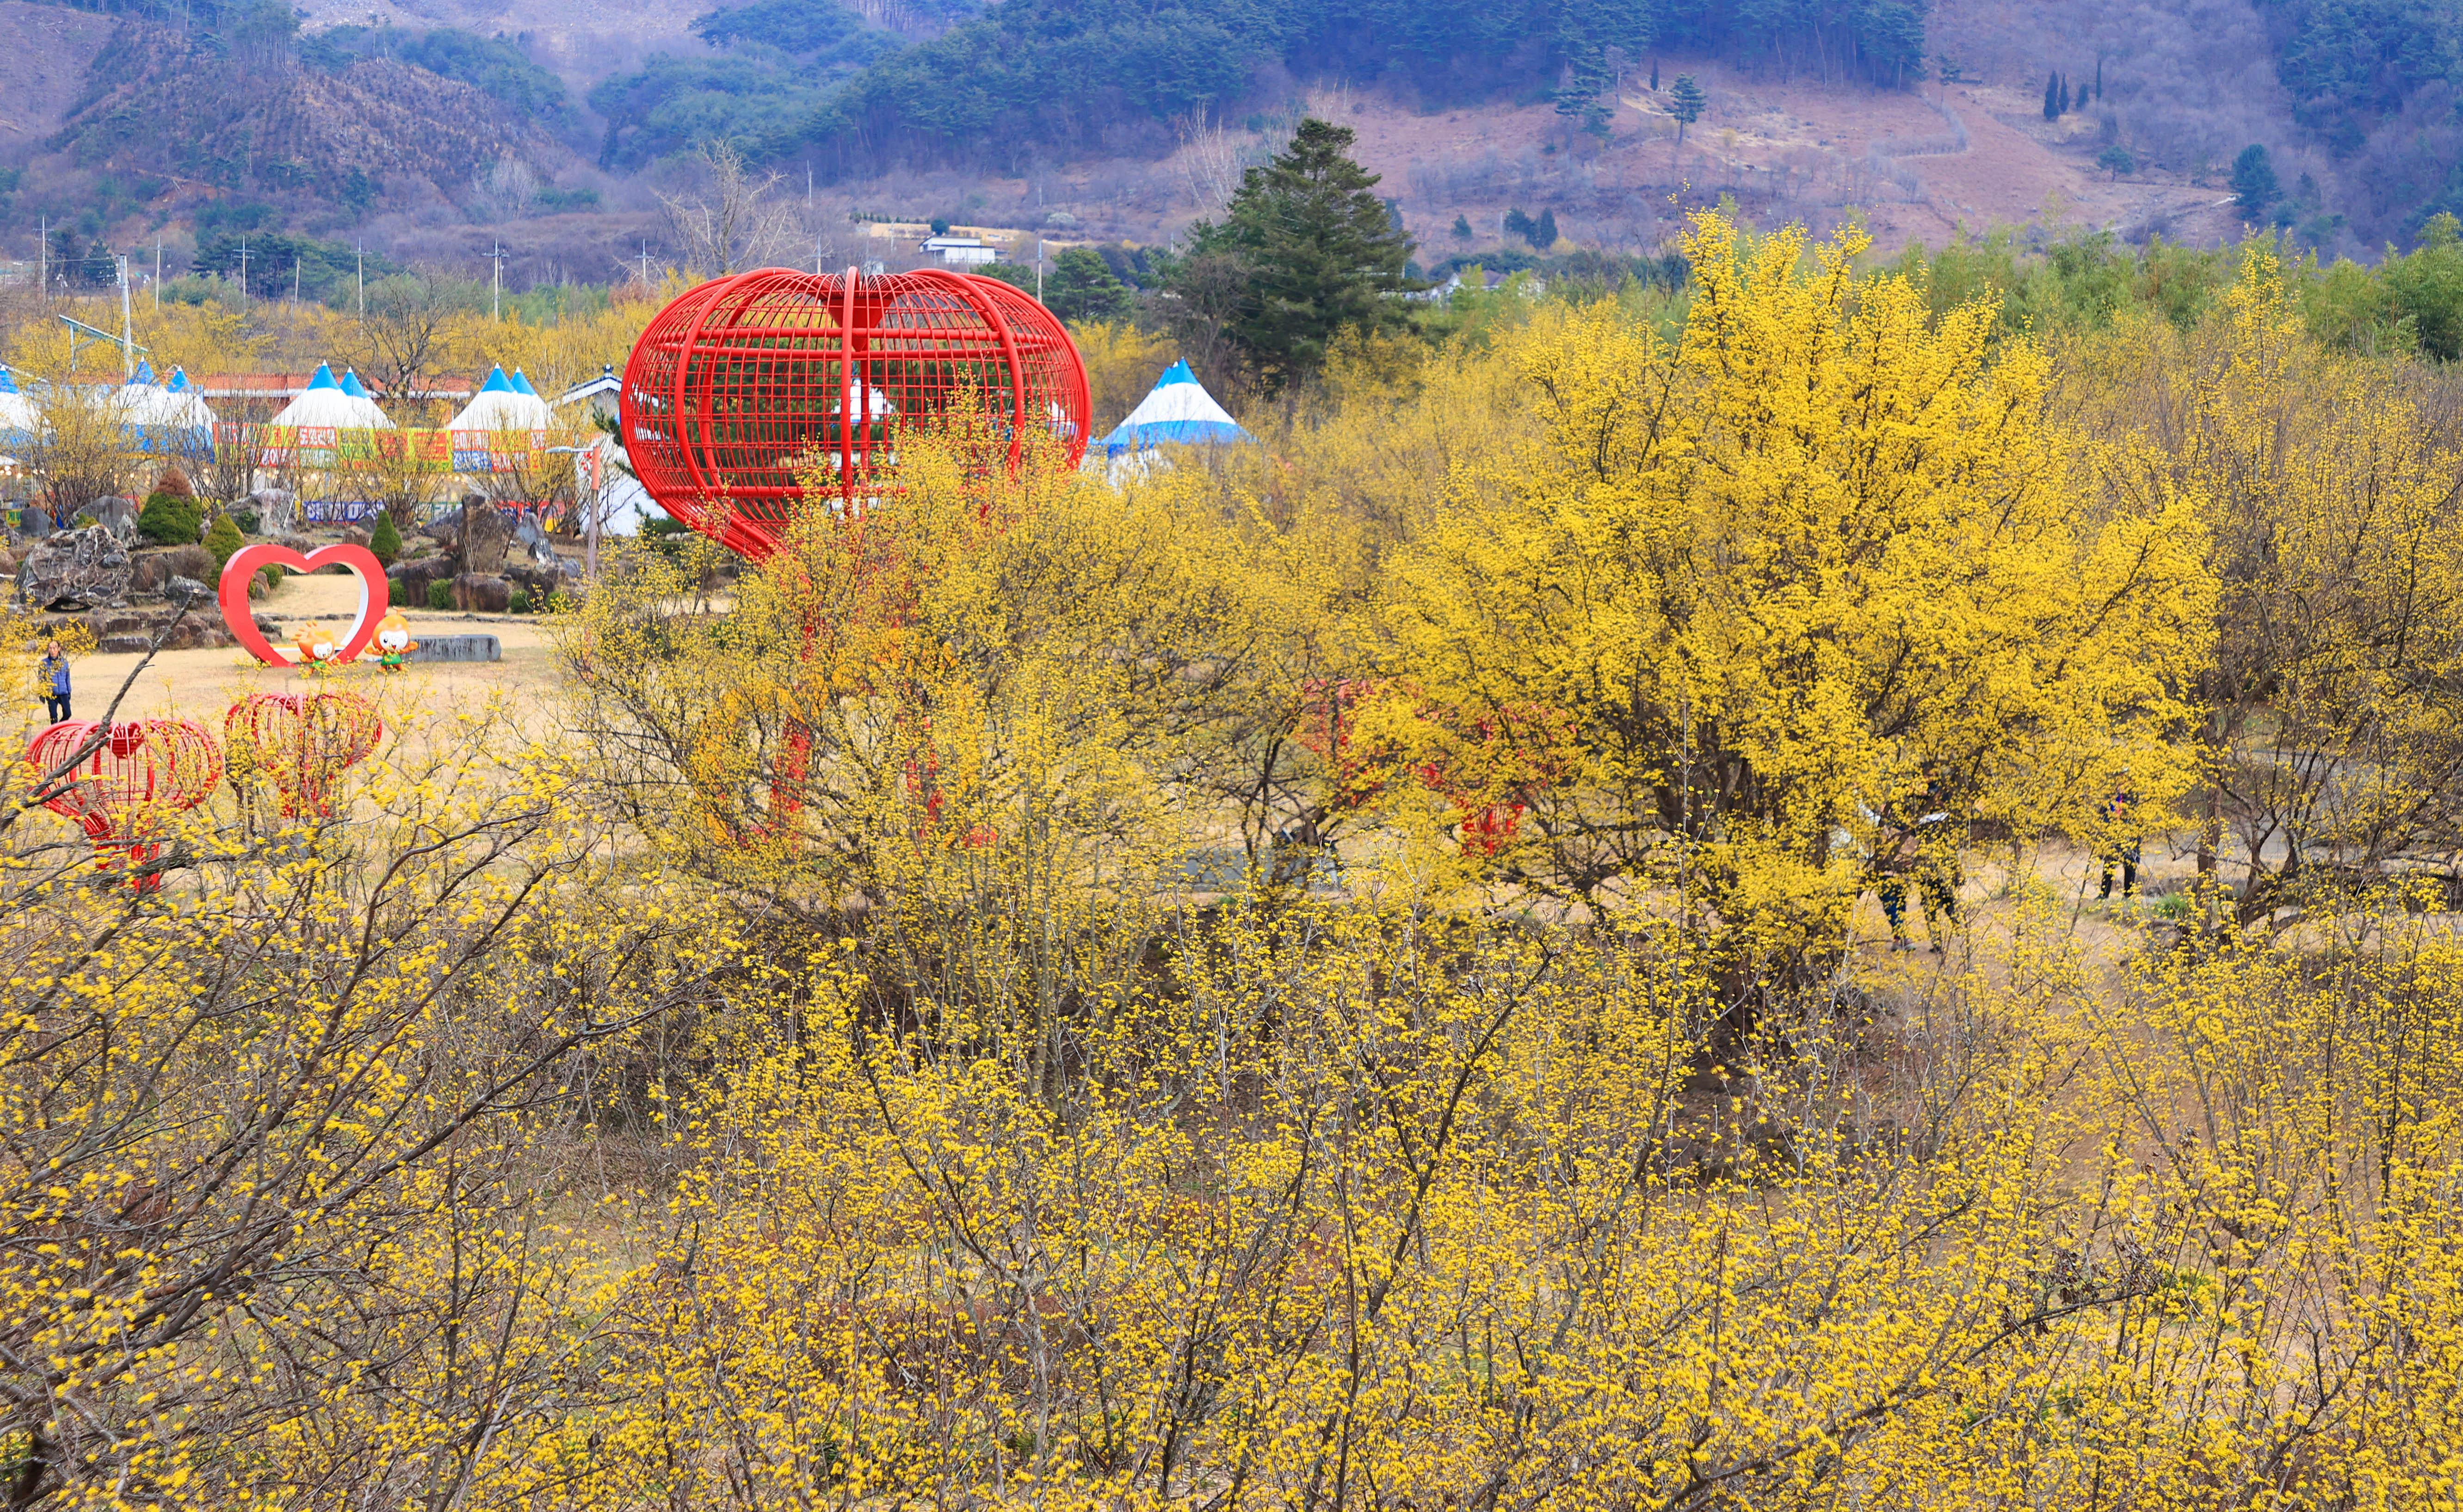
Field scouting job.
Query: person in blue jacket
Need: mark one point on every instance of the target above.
(51, 677)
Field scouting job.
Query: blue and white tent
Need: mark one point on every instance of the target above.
(18, 416)
(499, 406)
(522, 385)
(1177, 410)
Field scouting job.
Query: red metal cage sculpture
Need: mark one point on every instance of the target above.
(746, 380)
(122, 791)
(302, 742)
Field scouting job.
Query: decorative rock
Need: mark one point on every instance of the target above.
(481, 592)
(353, 535)
(186, 590)
(456, 648)
(35, 523)
(112, 645)
(76, 570)
(415, 575)
(116, 514)
(486, 537)
(278, 512)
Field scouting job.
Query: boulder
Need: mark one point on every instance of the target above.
(483, 594)
(486, 536)
(536, 581)
(76, 570)
(115, 514)
(278, 512)
(182, 589)
(457, 648)
(35, 523)
(353, 535)
(416, 575)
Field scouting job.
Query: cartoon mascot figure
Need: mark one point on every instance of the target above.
(317, 649)
(394, 644)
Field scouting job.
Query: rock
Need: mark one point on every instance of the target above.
(456, 648)
(110, 645)
(181, 589)
(278, 512)
(416, 575)
(537, 581)
(353, 535)
(115, 514)
(486, 536)
(483, 594)
(35, 524)
(74, 569)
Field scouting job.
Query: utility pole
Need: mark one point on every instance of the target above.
(294, 279)
(363, 280)
(158, 276)
(243, 270)
(46, 275)
(645, 265)
(127, 333)
(496, 309)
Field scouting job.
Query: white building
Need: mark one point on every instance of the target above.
(960, 250)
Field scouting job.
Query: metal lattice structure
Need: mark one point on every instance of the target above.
(746, 383)
(302, 742)
(123, 791)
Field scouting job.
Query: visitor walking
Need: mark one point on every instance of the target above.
(52, 681)
(2117, 850)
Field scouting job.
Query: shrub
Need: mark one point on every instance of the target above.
(272, 576)
(519, 603)
(440, 594)
(171, 519)
(224, 540)
(398, 594)
(385, 541)
(175, 483)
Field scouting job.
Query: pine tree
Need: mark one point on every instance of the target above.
(224, 540)
(1462, 228)
(2099, 82)
(2053, 97)
(1654, 75)
(2254, 185)
(1686, 103)
(384, 542)
(1311, 252)
(1083, 287)
(2065, 96)
(1543, 234)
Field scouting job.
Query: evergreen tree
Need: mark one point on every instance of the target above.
(1543, 234)
(1686, 103)
(2053, 97)
(1462, 228)
(2099, 82)
(1083, 288)
(1654, 75)
(1310, 252)
(384, 542)
(2253, 183)
(223, 539)
(2065, 96)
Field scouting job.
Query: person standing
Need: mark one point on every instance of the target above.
(2119, 851)
(52, 681)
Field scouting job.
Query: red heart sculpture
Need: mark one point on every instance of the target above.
(250, 560)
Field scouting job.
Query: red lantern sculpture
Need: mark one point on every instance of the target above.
(302, 742)
(748, 380)
(133, 780)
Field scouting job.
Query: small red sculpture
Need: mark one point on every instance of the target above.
(133, 779)
(302, 742)
(746, 380)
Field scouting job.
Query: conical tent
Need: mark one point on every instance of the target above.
(17, 413)
(183, 407)
(324, 403)
(1178, 409)
(352, 385)
(522, 385)
(499, 406)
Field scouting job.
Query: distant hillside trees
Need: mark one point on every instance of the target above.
(2255, 189)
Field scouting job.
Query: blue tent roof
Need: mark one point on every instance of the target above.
(352, 385)
(1177, 409)
(522, 385)
(496, 381)
(322, 378)
(144, 373)
(179, 383)
(7, 381)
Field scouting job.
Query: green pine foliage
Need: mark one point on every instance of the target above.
(224, 540)
(171, 519)
(1082, 288)
(1686, 100)
(385, 540)
(440, 594)
(1304, 252)
(2253, 183)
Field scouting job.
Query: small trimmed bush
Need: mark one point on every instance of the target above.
(171, 519)
(224, 540)
(385, 541)
(440, 594)
(272, 576)
(519, 603)
(398, 594)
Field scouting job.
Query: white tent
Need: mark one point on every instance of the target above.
(324, 403)
(167, 416)
(187, 408)
(1176, 409)
(498, 405)
(18, 415)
